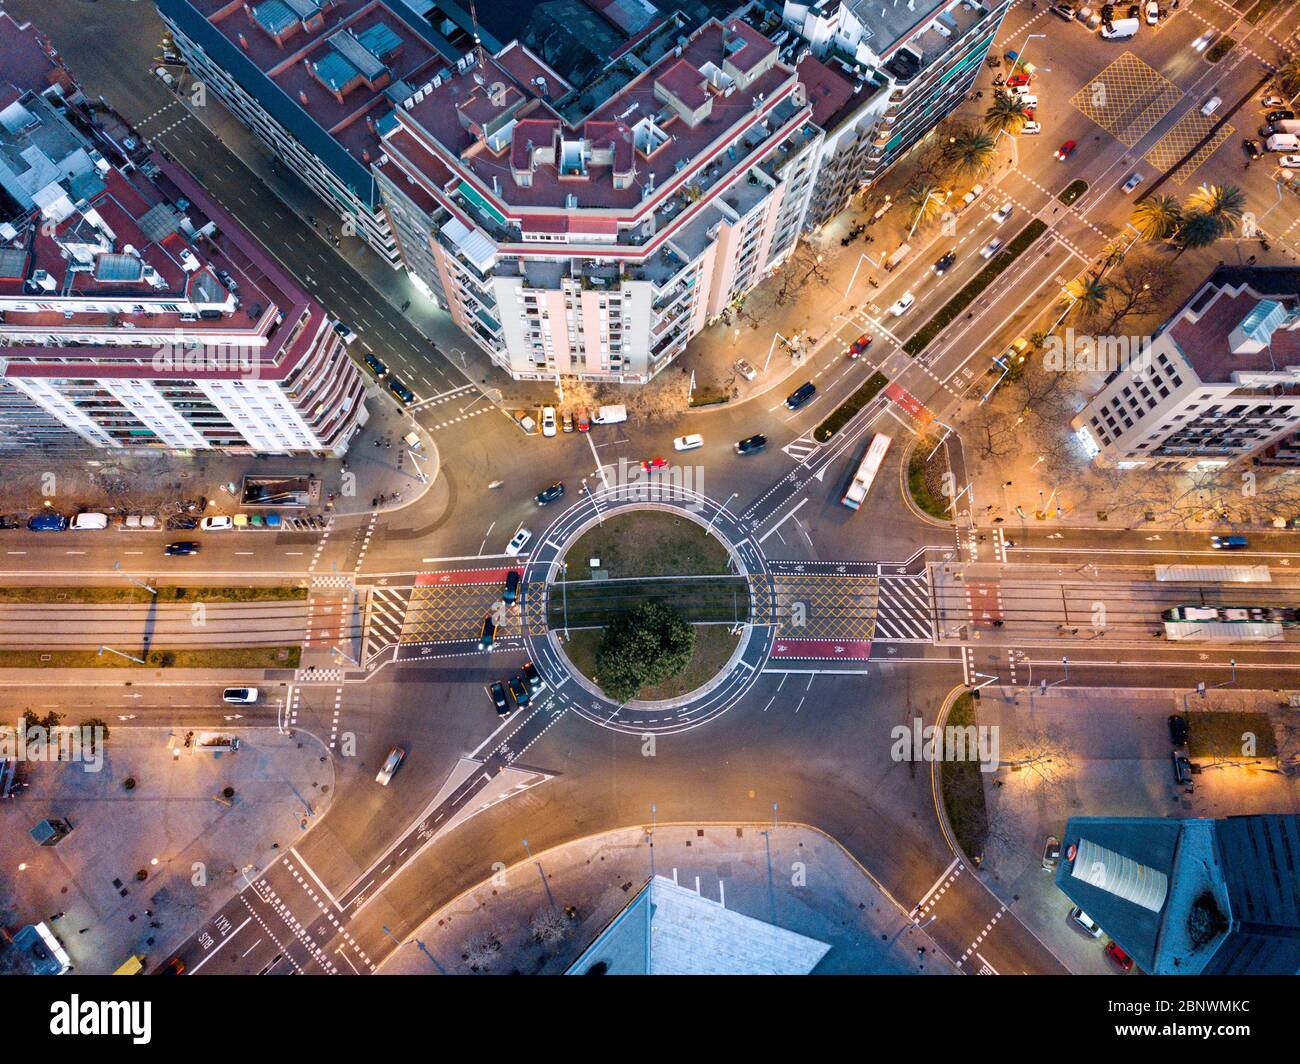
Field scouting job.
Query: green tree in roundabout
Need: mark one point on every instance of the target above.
(643, 647)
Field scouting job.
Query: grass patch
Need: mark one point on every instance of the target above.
(212, 658)
(1073, 191)
(714, 645)
(595, 603)
(1260, 10)
(925, 481)
(1019, 243)
(709, 398)
(1219, 49)
(131, 594)
(1220, 734)
(841, 414)
(648, 543)
(962, 786)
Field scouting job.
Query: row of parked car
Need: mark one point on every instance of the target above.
(92, 521)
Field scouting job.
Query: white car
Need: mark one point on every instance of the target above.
(548, 421)
(1132, 183)
(1153, 12)
(1086, 922)
(391, 762)
(990, 249)
(1203, 41)
(1030, 128)
(1271, 103)
(1289, 162)
(240, 696)
(345, 331)
(746, 370)
(903, 305)
(217, 524)
(1211, 105)
(688, 443)
(520, 541)
(1002, 215)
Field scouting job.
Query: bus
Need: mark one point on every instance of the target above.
(866, 471)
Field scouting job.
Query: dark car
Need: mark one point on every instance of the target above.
(1279, 116)
(497, 692)
(519, 691)
(533, 677)
(549, 495)
(511, 591)
(48, 522)
(488, 633)
(1134, 10)
(181, 549)
(1182, 768)
(751, 444)
(376, 366)
(1253, 149)
(175, 966)
(1177, 730)
(941, 266)
(1220, 542)
(400, 390)
(10, 521)
(801, 395)
(182, 524)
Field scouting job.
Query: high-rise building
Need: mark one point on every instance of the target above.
(136, 313)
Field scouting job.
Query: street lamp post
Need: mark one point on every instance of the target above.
(129, 657)
(709, 527)
(127, 576)
(1043, 685)
(919, 210)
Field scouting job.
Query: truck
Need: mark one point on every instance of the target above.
(610, 415)
(1284, 142)
(1288, 125)
(1120, 28)
(898, 255)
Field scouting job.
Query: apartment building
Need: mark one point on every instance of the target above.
(134, 313)
(1219, 382)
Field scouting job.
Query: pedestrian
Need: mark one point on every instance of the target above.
(154, 923)
(58, 915)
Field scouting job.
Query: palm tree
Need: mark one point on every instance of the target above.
(1005, 114)
(925, 196)
(1198, 230)
(1225, 204)
(1157, 217)
(973, 151)
(1089, 293)
(1288, 75)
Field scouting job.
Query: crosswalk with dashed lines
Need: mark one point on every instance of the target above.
(903, 611)
(801, 448)
(385, 618)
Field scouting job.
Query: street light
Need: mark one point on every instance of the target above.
(127, 576)
(919, 210)
(1043, 685)
(709, 527)
(129, 657)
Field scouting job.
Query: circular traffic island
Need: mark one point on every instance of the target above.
(648, 606)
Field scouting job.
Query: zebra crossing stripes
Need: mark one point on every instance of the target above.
(903, 612)
(801, 448)
(385, 618)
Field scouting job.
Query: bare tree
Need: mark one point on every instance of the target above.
(550, 926)
(482, 949)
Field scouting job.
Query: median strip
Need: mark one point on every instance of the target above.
(921, 339)
(87, 595)
(841, 414)
(210, 658)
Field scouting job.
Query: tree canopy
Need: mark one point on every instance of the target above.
(643, 647)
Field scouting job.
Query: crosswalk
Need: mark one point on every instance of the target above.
(903, 612)
(385, 618)
(801, 448)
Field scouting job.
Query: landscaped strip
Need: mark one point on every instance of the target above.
(1219, 49)
(83, 595)
(596, 603)
(920, 482)
(1073, 191)
(841, 414)
(1230, 734)
(962, 786)
(212, 658)
(714, 645)
(1004, 258)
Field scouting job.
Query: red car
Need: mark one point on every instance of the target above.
(1017, 79)
(584, 420)
(651, 464)
(1122, 959)
(859, 345)
(1065, 150)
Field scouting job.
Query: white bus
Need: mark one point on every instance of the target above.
(866, 471)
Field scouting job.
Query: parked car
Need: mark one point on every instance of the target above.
(1028, 100)
(217, 524)
(518, 542)
(1063, 11)
(377, 367)
(1085, 921)
(510, 593)
(548, 421)
(1066, 150)
(800, 395)
(548, 495)
(399, 389)
(942, 265)
(1229, 542)
(389, 766)
(487, 633)
(584, 420)
(1252, 148)
(751, 444)
(745, 369)
(1002, 214)
(991, 248)
(653, 465)
(88, 521)
(1271, 101)
(688, 443)
(1119, 957)
(1178, 730)
(519, 691)
(181, 549)
(1051, 852)
(1153, 12)
(566, 422)
(240, 696)
(1133, 181)
(48, 522)
(533, 677)
(903, 305)
(1031, 129)
(10, 521)
(1279, 116)
(1289, 162)
(497, 692)
(1182, 768)
(345, 331)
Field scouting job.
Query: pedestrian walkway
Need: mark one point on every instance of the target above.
(903, 612)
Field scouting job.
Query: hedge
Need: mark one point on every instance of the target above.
(855, 402)
(1073, 191)
(1219, 49)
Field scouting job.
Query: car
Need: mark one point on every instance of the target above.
(1134, 10)
(1289, 162)
(1182, 767)
(1178, 729)
(653, 465)
(1211, 105)
(991, 248)
(389, 766)
(1063, 11)
(519, 691)
(345, 331)
(548, 495)
(10, 521)
(48, 522)
(1017, 79)
(746, 370)
(1031, 129)
(487, 633)
(1122, 959)
(1051, 852)
(584, 420)
(1203, 41)
(240, 696)
(800, 395)
(533, 677)
(1066, 150)
(217, 523)
(518, 542)
(376, 366)
(181, 549)
(1085, 921)
(497, 692)
(1229, 542)
(941, 265)
(1002, 213)
(1271, 101)
(688, 443)
(510, 593)
(1252, 148)
(548, 421)
(1153, 12)
(566, 422)
(399, 389)
(751, 444)
(903, 305)
(1028, 101)
(175, 966)
(1133, 181)
(859, 345)
(1279, 116)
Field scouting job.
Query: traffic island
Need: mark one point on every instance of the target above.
(132, 595)
(843, 413)
(926, 479)
(961, 785)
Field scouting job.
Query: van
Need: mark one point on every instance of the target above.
(1287, 142)
(611, 415)
(900, 253)
(89, 521)
(1120, 28)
